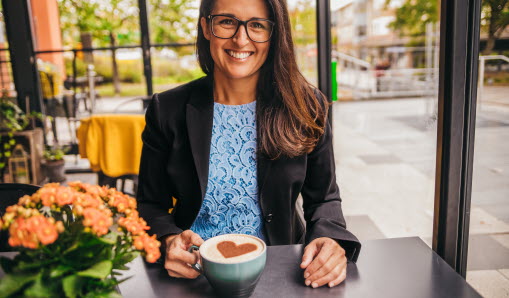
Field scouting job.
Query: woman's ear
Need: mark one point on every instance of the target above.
(205, 28)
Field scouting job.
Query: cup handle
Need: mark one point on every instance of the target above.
(196, 266)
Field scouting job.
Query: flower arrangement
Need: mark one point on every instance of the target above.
(72, 241)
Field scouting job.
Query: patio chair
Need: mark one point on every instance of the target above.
(112, 144)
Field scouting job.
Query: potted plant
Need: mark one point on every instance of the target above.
(54, 163)
(73, 241)
(12, 120)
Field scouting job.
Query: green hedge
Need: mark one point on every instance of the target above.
(131, 71)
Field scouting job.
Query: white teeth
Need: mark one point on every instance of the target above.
(238, 55)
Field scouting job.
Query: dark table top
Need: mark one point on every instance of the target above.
(398, 267)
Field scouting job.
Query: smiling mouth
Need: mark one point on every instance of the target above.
(239, 55)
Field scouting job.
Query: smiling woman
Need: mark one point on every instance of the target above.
(235, 149)
(234, 54)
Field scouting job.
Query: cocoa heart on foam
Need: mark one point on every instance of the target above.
(229, 249)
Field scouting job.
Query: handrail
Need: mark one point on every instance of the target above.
(480, 83)
(494, 57)
(354, 60)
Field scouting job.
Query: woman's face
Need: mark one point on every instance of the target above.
(237, 57)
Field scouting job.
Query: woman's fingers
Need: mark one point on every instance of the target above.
(325, 275)
(177, 254)
(326, 250)
(328, 263)
(191, 238)
(174, 274)
(178, 258)
(310, 252)
(181, 270)
(339, 279)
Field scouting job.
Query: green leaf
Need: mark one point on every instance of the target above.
(72, 285)
(128, 257)
(12, 283)
(7, 264)
(109, 238)
(121, 267)
(111, 294)
(31, 264)
(59, 271)
(99, 270)
(40, 289)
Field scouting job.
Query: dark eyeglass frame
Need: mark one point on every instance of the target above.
(210, 17)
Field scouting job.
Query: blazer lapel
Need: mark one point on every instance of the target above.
(199, 117)
(263, 167)
(263, 162)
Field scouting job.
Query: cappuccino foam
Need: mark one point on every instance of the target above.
(209, 250)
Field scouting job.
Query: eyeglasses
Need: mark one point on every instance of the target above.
(226, 26)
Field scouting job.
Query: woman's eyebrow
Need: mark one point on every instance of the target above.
(234, 16)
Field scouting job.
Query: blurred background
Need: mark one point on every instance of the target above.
(99, 57)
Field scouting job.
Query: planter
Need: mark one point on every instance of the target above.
(55, 170)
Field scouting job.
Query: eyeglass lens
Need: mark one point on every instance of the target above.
(226, 27)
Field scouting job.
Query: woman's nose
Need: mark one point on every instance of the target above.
(241, 38)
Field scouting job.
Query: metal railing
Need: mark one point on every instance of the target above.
(364, 81)
(482, 64)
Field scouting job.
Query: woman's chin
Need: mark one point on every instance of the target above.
(238, 75)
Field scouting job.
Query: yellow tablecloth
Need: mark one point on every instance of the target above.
(112, 143)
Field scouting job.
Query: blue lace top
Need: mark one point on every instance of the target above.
(231, 199)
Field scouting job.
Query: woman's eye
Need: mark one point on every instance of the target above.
(227, 22)
(257, 25)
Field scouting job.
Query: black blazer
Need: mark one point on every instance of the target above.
(175, 163)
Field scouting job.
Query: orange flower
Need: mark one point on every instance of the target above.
(85, 200)
(65, 196)
(134, 225)
(150, 245)
(30, 232)
(93, 205)
(95, 190)
(119, 201)
(47, 195)
(25, 200)
(46, 231)
(98, 220)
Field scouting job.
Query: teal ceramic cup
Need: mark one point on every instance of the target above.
(237, 279)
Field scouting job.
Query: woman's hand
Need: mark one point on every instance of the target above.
(177, 258)
(324, 262)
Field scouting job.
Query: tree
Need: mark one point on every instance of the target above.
(116, 22)
(413, 15)
(173, 21)
(101, 20)
(303, 22)
(116, 16)
(495, 18)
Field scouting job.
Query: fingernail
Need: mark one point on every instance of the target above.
(314, 285)
(308, 282)
(306, 275)
(331, 284)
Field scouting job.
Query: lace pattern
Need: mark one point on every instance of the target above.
(231, 200)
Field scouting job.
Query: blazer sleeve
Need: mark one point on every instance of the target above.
(154, 194)
(322, 202)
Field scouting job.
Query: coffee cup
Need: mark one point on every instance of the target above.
(232, 263)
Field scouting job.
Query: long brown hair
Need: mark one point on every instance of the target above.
(291, 117)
